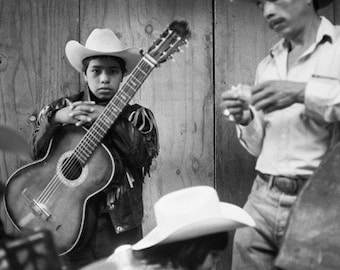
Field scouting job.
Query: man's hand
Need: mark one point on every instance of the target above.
(275, 95)
(235, 106)
(78, 113)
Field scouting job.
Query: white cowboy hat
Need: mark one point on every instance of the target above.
(101, 42)
(192, 212)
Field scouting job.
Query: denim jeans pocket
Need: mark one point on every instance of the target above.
(259, 186)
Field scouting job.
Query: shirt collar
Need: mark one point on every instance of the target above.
(326, 32)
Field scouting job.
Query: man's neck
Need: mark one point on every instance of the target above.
(307, 35)
(302, 40)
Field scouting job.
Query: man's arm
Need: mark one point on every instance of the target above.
(270, 96)
(322, 99)
(320, 95)
(250, 126)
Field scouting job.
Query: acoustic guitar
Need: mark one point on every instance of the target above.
(52, 193)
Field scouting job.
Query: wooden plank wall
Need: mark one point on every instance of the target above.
(197, 145)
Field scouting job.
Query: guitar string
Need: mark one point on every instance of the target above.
(72, 163)
(138, 70)
(89, 139)
(69, 165)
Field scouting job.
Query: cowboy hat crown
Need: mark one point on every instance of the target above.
(101, 42)
(192, 212)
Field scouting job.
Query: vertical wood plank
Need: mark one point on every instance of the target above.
(329, 12)
(239, 46)
(336, 6)
(32, 68)
(179, 93)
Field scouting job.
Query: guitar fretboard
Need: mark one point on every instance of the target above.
(100, 127)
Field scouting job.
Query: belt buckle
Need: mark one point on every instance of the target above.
(287, 185)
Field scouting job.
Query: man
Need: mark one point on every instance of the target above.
(290, 124)
(132, 141)
(191, 233)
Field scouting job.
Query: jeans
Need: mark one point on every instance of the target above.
(257, 248)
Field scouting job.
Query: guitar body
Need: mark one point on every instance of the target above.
(43, 196)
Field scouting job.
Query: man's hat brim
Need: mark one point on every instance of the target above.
(233, 217)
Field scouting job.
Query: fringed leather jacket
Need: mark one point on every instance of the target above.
(133, 142)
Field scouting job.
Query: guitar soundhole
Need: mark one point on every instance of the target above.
(71, 168)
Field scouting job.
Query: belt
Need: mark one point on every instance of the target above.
(288, 185)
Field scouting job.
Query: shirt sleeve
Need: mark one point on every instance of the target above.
(322, 98)
(251, 135)
(322, 94)
(44, 129)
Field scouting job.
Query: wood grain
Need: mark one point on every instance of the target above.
(32, 68)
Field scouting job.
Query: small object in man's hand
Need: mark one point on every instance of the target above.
(227, 113)
(242, 92)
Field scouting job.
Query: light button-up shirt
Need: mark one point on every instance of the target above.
(292, 141)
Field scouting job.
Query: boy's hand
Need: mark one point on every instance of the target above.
(78, 113)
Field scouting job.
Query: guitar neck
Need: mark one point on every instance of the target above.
(100, 127)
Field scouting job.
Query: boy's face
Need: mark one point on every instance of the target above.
(103, 75)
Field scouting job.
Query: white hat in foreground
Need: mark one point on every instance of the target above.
(192, 212)
(101, 42)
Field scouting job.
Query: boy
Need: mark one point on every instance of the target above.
(132, 141)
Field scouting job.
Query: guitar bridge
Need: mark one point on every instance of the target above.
(38, 209)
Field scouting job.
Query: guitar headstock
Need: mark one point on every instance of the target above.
(169, 41)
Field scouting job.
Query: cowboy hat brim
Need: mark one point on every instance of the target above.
(76, 53)
(233, 217)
